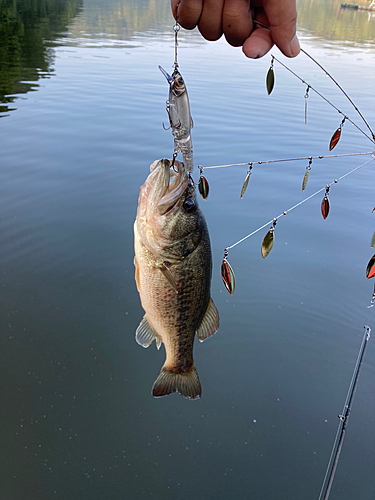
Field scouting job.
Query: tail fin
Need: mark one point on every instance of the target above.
(185, 383)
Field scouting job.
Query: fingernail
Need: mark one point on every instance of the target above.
(294, 46)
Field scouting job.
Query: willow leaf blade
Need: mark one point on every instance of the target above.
(227, 275)
(245, 184)
(267, 243)
(325, 207)
(305, 179)
(270, 80)
(335, 139)
(370, 269)
(203, 187)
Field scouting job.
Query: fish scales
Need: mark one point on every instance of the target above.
(173, 278)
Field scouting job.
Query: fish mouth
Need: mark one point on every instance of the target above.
(172, 182)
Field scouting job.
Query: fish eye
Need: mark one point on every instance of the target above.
(189, 204)
(180, 81)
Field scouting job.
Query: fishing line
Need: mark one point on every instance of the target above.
(320, 157)
(176, 29)
(327, 100)
(333, 80)
(300, 203)
(343, 91)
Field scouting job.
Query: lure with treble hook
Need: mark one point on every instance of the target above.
(181, 123)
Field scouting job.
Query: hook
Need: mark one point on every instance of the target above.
(173, 160)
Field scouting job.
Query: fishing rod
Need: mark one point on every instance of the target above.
(344, 417)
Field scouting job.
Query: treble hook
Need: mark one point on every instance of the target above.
(169, 116)
(191, 180)
(172, 164)
(170, 119)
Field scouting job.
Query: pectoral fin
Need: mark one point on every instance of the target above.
(165, 269)
(145, 334)
(210, 322)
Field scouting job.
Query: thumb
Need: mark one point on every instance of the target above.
(282, 17)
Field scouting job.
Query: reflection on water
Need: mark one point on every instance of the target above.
(120, 19)
(29, 31)
(79, 421)
(328, 21)
(25, 30)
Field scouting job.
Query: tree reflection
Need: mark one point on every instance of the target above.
(25, 57)
(324, 20)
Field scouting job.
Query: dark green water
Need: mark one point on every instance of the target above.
(82, 106)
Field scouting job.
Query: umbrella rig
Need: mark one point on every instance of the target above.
(177, 107)
(181, 123)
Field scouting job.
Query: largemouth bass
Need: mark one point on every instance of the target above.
(173, 275)
(180, 119)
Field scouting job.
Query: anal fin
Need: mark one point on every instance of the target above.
(145, 334)
(210, 322)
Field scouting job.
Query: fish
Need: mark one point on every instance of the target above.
(173, 268)
(180, 120)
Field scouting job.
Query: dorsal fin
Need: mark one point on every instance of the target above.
(210, 322)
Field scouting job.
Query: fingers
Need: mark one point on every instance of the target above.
(206, 14)
(282, 16)
(258, 44)
(237, 21)
(210, 22)
(188, 11)
(234, 19)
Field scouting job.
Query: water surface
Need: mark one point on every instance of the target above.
(82, 112)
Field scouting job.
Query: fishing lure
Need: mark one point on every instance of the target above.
(270, 78)
(306, 97)
(180, 120)
(246, 181)
(268, 240)
(227, 274)
(306, 176)
(370, 269)
(325, 204)
(336, 135)
(203, 186)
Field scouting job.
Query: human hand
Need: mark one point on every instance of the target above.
(235, 19)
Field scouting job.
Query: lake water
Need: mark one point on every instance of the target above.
(82, 108)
